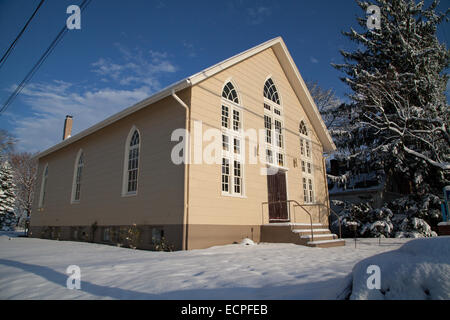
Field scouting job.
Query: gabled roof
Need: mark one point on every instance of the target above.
(287, 63)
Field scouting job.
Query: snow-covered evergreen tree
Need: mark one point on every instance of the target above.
(398, 80)
(7, 198)
(406, 217)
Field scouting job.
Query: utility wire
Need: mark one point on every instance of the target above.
(13, 44)
(39, 62)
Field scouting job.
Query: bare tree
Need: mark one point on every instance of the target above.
(6, 143)
(326, 101)
(25, 172)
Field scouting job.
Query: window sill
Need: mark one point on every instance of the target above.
(233, 195)
(75, 202)
(129, 194)
(268, 164)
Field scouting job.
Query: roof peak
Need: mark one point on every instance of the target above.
(289, 68)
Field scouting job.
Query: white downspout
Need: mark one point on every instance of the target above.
(186, 168)
(179, 100)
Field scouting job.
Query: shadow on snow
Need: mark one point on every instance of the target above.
(327, 289)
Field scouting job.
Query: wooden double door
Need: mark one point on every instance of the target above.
(277, 197)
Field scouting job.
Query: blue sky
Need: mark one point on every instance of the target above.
(127, 50)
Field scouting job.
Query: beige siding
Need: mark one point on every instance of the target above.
(212, 218)
(160, 194)
(207, 205)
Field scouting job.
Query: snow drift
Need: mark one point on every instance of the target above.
(419, 270)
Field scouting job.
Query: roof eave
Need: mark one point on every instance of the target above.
(303, 94)
(180, 85)
(287, 63)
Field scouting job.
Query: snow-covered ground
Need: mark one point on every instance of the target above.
(36, 269)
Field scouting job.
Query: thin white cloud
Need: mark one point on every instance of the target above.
(258, 15)
(190, 48)
(160, 5)
(137, 67)
(313, 60)
(124, 81)
(50, 103)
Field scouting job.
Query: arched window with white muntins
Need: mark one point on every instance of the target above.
(307, 167)
(273, 125)
(232, 142)
(271, 92)
(131, 163)
(78, 173)
(302, 128)
(229, 93)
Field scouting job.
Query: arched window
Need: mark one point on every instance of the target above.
(273, 125)
(230, 93)
(43, 187)
(306, 159)
(271, 92)
(302, 128)
(76, 188)
(232, 142)
(305, 143)
(131, 170)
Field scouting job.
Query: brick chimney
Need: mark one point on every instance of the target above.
(67, 127)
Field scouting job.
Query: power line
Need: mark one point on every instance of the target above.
(13, 44)
(39, 63)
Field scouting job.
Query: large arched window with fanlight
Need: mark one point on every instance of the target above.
(131, 163)
(232, 141)
(273, 125)
(306, 158)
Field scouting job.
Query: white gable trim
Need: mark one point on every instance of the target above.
(287, 63)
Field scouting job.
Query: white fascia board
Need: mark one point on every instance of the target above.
(293, 76)
(205, 74)
(286, 62)
(122, 114)
(303, 94)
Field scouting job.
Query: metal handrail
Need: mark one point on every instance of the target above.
(329, 211)
(289, 202)
(302, 206)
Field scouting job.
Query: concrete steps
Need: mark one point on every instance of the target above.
(326, 243)
(321, 236)
(308, 231)
(300, 233)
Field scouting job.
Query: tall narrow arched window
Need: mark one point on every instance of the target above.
(77, 175)
(302, 128)
(43, 187)
(307, 167)
(131, 170)
(232, 141)
(273, 124)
